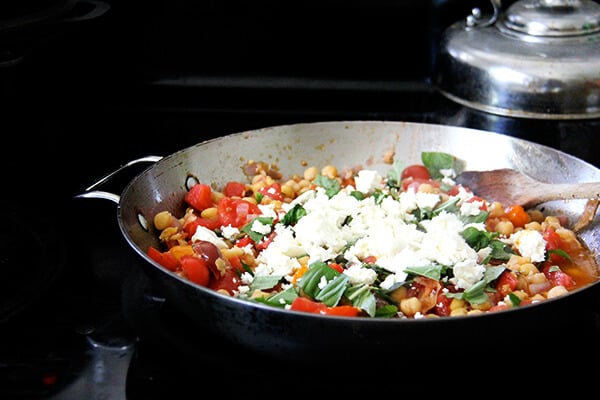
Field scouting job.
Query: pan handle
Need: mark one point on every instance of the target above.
(91, 192)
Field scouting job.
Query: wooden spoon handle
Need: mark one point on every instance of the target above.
(558, 191)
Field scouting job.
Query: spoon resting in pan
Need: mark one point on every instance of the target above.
(511, 187)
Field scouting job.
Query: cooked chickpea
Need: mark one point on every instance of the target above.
(456, 304)
(533, 226)
(458, 311)
(474, 312)
(426, 188)
(288, 190)
(557, 291)
(536, 215)
(537, 277)
(552, 222)
(210, 213)
(251, 199)
(304, 184)
(496, 210)
(410, 306)
(527, 269)
(235, 251)
(311, 173)
(167, 233)
(505, 228)
(329, 171)
(398, 294)
(163, 220)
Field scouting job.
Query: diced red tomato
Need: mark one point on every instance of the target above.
(190, 227)
(307, 305)
(517, 215)
(370, 260)
(195, 269)
(236, 212)
(553, 242)
(337, 267)
(507, 283)
(414, 183)
(199, 197)
(234, 188)
(236, 263)
(229, 281)
(482, 207)
(558, 277)
(165, 259)
(442, 305)
(498, 307)
(244, 241)
(263, 244)
(416, 171)
(273, 191)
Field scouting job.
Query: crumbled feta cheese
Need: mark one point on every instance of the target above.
(367, 181)
(448, 176)
(261, 228)
(208, 235)
(267, 210)
(468, 208)
(358, 275)
(467, 273)
(427, 200)
(362, 228)
(229, 232)
(529, 243)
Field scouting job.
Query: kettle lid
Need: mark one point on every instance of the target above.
(554, 18)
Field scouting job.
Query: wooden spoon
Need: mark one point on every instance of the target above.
(511, 187)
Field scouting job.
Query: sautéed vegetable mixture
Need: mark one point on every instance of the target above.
(411, 244)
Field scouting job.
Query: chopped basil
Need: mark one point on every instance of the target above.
(293, 216)
(280, 299)
(331, 186)
(433, 271)
(331, 293)
(265, 282)
(394, 175)
(362, 297)
(437, 161)
(559, 252)
(257, 236)
(309, 283)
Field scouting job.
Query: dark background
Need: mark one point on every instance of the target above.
(88, 85)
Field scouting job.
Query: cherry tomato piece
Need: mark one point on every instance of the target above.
(195, 269)
(166, 259)
(416, 171)
(517, 215)
(199, 197)
(234, 188)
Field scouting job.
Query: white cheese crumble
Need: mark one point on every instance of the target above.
(229, 232)
(208, 235)
(367, 181)
(530, 244)
(363, 228)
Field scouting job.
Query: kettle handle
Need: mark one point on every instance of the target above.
(476, 20)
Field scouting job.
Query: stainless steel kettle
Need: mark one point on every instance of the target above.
(537, 59)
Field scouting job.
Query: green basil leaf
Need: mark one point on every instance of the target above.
(436, 161)
(331, 294)
(309, 283)
(265, 282)
(433, 271)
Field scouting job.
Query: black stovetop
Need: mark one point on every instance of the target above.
(100, 328)
(88, 324)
